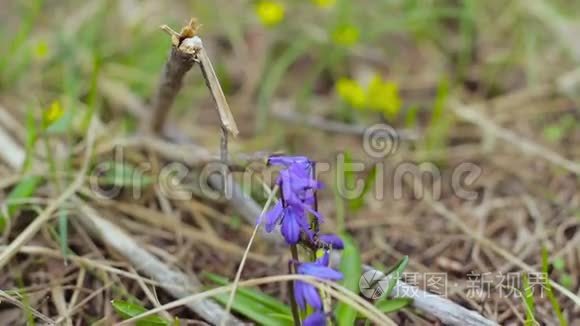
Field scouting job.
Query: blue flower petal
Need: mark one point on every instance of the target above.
(315, 319)
(316, 270)
(299, 294)
(299, 291)
(312, 297)
(287, 160)
(273, 216)
(290, 228)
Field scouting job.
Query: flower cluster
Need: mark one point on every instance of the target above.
(298, 188)
(296, 214)
(379, 95)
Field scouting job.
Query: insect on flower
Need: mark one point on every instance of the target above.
(331, 240)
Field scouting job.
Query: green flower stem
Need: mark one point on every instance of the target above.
(292, 270)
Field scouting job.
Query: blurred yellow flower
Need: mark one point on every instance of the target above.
(380, 96)
(270, 12)
(392, 100)
(53, 113)
(351, 92)
(41, 50)
(324, 3)
(384, 97)
(346, 35)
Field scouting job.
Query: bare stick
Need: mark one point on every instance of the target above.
(225, 114)
(180, 61)
(224, 146)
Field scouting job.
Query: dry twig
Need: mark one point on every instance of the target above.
(180, 61)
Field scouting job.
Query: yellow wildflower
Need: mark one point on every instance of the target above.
(346, 35)
(324, 3)
(384, 97)
(53, 113)
(351, 92)
(270, 13)
(379, 96)
(41, 50)
(392, 100)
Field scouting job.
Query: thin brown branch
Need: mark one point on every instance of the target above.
(179, 62)
(225, 114)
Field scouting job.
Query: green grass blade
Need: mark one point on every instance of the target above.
(93, 93)
(128, 310)
(529, 303)
(396, 273)
(256, 311)
(393, 305)
(350, 266)
(24, 30)
(63, 232)
(259, 297)
(369, 182)
(550, 292)
(23, 190)
(274, 77)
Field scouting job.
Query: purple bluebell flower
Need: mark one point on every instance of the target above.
(292, 218)
(298, 189)
(306, 293)
(286, 161)
(316, 318)
(331, 240)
